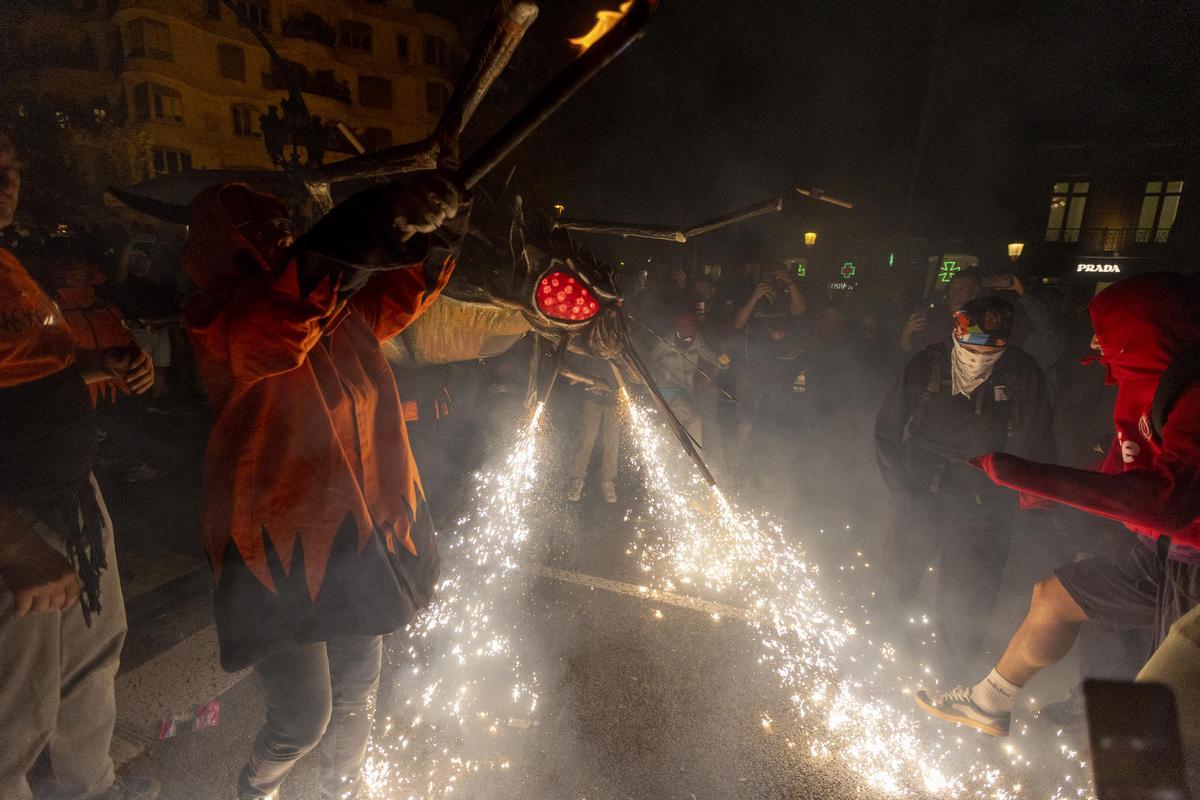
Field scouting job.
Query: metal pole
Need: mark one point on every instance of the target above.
(585, 67)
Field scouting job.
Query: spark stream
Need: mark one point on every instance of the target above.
(845, 686)
(462, 683)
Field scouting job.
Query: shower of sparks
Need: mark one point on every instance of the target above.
(464, 686)
(844, 684)
(460, 683)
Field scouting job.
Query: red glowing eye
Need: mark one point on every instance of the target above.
(564, 297)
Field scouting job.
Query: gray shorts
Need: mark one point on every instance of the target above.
(1133, 589)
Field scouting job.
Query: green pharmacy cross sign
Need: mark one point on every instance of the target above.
(848, 269)
(947, 271)
(798, 266)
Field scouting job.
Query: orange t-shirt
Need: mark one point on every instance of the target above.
(35, 339)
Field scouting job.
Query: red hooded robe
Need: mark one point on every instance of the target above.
(1149, 483)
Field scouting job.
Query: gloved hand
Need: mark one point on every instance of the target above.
(371, 231)
(991, 463)
(424, 205)
(998, 467)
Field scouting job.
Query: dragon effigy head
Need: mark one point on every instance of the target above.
(564, 290)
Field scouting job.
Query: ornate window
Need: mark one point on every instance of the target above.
(165, 161)
(231, 62)
(1160, 204)
(354, 35)
(257, 13)
(1067, 203)
(155, 101)
(436, 53)
(245, 119)
(147, 38)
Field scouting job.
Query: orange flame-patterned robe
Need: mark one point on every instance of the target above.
(314, 517)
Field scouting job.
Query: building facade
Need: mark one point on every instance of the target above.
(187, 84)
(1097, 213)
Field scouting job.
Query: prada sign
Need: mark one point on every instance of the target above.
(1098, 266)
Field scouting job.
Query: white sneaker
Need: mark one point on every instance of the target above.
(609, 491)
(576, 493)
(956, 705)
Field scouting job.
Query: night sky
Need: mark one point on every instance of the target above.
(725, 103)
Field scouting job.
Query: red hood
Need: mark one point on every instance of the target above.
(216, 251)
(1144, 322)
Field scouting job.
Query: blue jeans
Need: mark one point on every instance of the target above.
(317, 695)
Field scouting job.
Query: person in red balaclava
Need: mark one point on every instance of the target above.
(1148, 336)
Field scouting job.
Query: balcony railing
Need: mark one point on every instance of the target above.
(310, 26)
(1107, 239)
(320, 82)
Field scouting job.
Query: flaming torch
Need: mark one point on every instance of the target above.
(605, 21)
(599, 51)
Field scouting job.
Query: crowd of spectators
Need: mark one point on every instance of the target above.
(796, 392)
(806, 400)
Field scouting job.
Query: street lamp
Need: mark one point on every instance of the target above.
(1015, 249)
(810, 238)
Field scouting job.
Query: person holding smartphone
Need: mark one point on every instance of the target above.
(929, 325)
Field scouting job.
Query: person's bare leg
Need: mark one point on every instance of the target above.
(1045, 636)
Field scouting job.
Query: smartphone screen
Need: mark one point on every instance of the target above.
(1137, 753)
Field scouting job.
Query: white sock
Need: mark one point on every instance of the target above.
(995, 694)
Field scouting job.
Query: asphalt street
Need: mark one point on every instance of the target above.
(642, 695)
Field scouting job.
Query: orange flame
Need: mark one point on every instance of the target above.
(605, 20)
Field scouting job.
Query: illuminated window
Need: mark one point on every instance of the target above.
(245, 119)
(164, 161)
(1066, 211)
(1159, 207)
(231, 62)
(147, 38)
(374, 92)
(353, 35)
(436, 54)
(155, 101)
(436, 96)
(402, 48)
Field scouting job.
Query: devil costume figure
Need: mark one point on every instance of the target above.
(968, 395)
(314, 516)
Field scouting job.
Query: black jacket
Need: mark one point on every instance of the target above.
(924, 437)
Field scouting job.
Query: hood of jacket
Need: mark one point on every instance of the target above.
(217, 253)
(1144, 322)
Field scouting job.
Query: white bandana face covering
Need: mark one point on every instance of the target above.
(968, 370)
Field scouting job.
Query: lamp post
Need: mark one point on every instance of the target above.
(1014, 250)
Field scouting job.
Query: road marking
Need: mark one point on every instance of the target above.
(170, 683)
(190, 672)
(643, 592)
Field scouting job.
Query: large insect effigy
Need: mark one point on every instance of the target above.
(551, 288)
